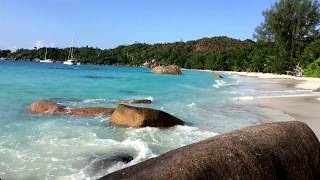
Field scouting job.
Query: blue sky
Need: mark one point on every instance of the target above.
(109, 23)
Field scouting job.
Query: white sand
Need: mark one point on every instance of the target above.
(301, 108)
(305, 109)
(304, 82)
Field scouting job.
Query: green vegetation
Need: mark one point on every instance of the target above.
(286, 42)
(313, 69)
(291, 25)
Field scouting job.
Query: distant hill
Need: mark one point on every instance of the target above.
(198, 54)
(212, 45)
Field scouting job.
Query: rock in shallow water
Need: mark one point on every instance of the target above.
(137, 117)
(45, 106)
(284, 150)
(100, 165)
(172, 69)
(217, 77)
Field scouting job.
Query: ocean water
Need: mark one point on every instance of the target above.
(42, 146)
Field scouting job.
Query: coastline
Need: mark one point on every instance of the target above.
(304, 108)
(302, 82)
(308, 83)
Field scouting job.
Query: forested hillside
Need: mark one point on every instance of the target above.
(287, 41)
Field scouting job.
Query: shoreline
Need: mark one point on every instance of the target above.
(305, 82)
(309, 83)
(301, 108)
(304, 108)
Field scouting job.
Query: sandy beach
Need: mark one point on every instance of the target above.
(301, 82)
(301, 108)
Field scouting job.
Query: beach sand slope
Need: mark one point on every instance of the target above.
(303, 108)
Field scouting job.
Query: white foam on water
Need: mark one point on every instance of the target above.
(98, 100)
(65, 152)
(244, 98)
(143, 97)
(219, 83)
(191, 105)
(222, 83)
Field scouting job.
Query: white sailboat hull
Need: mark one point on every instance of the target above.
(46, 61)
(69, 62)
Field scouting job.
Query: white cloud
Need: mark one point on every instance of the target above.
(52, 45)
(13, 48)
(39, 44)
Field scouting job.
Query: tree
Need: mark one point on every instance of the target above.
(311, 52)
(291, 24)
(4, 53)
(313, 69)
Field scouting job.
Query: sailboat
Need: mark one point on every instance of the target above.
(71, 60)
(45, 58)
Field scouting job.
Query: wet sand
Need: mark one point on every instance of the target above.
(302, 108)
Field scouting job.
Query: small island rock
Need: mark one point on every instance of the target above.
(45, 106)
(217, 77)
(171, 69)
(137, 117)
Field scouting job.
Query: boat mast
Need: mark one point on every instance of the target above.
(45, 55)
(72, 51)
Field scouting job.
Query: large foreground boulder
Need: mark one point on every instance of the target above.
(137, 117)
(45, 106)
(284, 150)
(171, 69)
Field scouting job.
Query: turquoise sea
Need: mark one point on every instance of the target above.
(41, 146)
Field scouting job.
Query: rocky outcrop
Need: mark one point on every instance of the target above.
(153, 63)
(171, 69)
(284, 150)
(90, 111)
(217, 77)
(45, 106)
(137, 117)
(137, 101)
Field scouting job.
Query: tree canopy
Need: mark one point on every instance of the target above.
(291, 25)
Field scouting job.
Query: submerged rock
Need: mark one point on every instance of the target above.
(99, 77)
(171, 69)
(98, 166)
(284, 150)
(138, 101)
(217, 77)
(137, 117)
(45, 106)
(91, 111)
